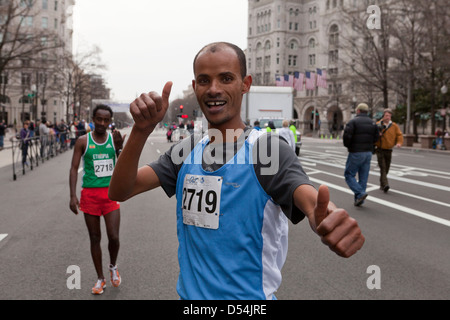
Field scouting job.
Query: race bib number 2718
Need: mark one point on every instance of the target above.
(201, 201)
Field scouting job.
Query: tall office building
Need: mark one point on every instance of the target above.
(302, 37)
(32, 84)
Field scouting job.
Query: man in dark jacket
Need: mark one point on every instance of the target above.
(360, 135)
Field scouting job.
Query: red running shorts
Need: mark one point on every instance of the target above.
(95, 201)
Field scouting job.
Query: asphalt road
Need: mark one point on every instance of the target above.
(407, 235)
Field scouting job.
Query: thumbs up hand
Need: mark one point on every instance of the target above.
(150, 108)
(335, 227)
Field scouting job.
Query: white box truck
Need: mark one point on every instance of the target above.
(270, 104)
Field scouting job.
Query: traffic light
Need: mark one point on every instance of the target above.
(181, 108)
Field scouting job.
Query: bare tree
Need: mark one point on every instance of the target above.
(75, 80)
(408, 52)
(18, 40)
(369, 50)
(434, 52)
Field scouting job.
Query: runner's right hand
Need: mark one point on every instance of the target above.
(150, 108)
(74, 204)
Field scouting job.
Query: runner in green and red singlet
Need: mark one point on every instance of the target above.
(98, 149)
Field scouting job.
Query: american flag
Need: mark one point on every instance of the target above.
(310, 80)
(322, 78)
(288, 80)
(279, 80)
(298, 81)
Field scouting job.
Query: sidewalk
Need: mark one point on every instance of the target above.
(6, 158)
(417, 147)
(6, 153)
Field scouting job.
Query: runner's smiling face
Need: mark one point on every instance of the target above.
(101, 119)
(219, 87)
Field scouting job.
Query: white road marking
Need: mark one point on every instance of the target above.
(388, 204)
(3, 236)
(372, 187)
(421, 183)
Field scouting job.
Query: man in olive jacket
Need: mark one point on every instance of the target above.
(391, 137)
(360, 135)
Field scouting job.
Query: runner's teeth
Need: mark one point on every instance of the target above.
(212, 104)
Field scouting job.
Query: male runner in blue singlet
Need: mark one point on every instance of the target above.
(233, 207)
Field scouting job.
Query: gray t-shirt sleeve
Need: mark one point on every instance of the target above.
(169, 164)
(280, 184)
(285, 180)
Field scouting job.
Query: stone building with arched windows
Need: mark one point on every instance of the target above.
(289, 36)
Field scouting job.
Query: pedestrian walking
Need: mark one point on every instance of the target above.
(44, 137)
(169, 135)
(2, 134)
(62, 128)
(391, 136)
(360, 135)
(293, 128)
(271, 126)
(287, 134)
(73, 134)
(98, 149)
(232, 215)
(25, 141)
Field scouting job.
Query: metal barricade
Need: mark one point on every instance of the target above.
(27, 153)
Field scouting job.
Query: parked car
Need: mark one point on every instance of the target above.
(278, 123)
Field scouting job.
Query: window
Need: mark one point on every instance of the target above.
(293, 45)
(26, 3)
(4, 78)
(27, 21)
(45, 4)
(26, 79)
(292, 61)
(334, 35)
(258, 62)
(44, 22)
(333, 56)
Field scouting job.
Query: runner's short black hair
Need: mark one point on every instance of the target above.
(102, 107)
(214, 47)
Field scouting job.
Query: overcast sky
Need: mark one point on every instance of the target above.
(146, 43)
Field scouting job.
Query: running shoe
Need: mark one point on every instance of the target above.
(115, 277)
(99, 286)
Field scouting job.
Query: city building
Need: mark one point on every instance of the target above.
(301, 39)
(41, 79)
(31, 87)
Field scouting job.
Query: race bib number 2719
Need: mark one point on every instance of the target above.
(201, 201)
